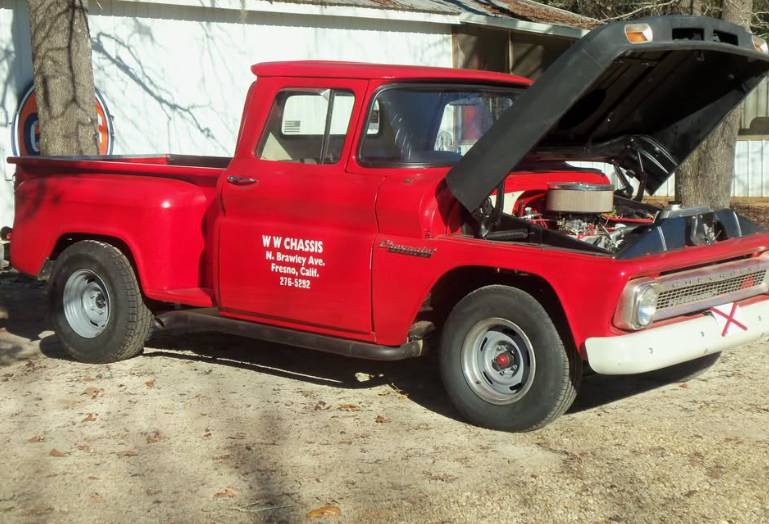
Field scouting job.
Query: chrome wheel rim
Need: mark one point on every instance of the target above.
(86, 303)
(498, 361)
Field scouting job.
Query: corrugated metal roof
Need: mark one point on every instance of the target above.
(417, 6)
(527, 10)
(536, 12)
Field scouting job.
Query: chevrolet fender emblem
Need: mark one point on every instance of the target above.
(392, 247)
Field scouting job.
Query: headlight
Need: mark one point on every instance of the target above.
(646, 306)
(638, 305)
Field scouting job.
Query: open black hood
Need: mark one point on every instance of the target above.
(643, 106)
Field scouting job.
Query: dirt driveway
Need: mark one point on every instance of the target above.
(210, 428)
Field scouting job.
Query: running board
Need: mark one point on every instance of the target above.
(208, 319)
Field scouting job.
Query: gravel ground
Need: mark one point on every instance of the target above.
(208, 428)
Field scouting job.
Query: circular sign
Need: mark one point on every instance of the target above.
(26, 130)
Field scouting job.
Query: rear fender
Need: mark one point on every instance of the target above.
(161, 222)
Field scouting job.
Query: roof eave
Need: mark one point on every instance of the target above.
(524, 26)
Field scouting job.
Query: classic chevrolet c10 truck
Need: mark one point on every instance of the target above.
(384, 212)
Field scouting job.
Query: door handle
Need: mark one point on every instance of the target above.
(241, 180)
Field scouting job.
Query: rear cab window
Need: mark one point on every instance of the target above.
(307, 126)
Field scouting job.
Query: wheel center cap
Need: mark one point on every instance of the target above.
(503, 360)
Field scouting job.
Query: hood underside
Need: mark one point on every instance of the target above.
(643, 107)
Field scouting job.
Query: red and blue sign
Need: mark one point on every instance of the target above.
(26, 130)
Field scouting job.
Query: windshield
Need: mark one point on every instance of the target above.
(430, 125)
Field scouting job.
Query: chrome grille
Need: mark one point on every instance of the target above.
(698, 289)
(695, 289)
(688, 294)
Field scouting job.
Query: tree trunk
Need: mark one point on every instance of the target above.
(705, 179)
(63, 75)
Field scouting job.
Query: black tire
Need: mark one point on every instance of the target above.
(557, 371)
(128, 323)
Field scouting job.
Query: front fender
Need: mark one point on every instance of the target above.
(586, 285)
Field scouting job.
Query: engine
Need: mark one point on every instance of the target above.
(586, 212)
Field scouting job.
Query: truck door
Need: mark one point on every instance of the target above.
(297, 230)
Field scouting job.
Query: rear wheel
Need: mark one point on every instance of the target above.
(503, 362)
(96, 304)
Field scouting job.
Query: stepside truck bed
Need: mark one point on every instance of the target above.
(157, 206)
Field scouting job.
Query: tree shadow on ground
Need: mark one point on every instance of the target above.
(418, 379)
(23, 299)
(22, 316)
(599, 390)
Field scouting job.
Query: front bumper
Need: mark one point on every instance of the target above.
(664, 346)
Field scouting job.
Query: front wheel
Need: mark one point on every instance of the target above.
(503, 363)
(96, 304)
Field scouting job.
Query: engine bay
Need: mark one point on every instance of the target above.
(584, 211)
(590, 215)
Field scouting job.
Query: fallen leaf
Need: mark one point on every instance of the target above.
(153, 437)
(93, 392)
(88, 379)
(150, 383)
(226, 492)
(363, 377)
(89, 418)
(684, 385)
(91, 477)
(443, 477)
(381, 420)
(348, 407)
(127, 453)
(56, 453)
(326, 510)
(37, 438)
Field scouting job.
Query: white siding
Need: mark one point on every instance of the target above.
(751, 169)
(16, 74)
(174, 77)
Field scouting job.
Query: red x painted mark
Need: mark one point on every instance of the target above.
(748, 283)
(730, 319)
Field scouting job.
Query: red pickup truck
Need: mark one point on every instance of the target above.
(380, 211)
